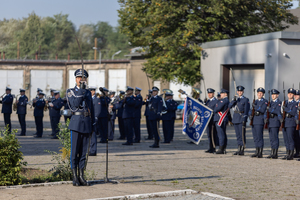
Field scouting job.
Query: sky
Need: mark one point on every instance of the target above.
(80, 11)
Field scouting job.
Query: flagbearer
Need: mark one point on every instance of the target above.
(81, 125)
(241, 108)
(274, 123)
(221, 120)
(211, 128)
(260, 107)
(290, 107)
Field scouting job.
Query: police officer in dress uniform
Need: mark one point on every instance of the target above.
(97, 108)
(81, 125)
(54, 112)
(260, 107)
(296, 135)
(168, 118)
(241, 106)
(7, 102)
(50, 98)
(112, 116)
(102, 124)
(274, 123)
(211, 128)
(137, 115)
(38, 113)
(120, 118)
(146, 114)
(129, 107)
(290, 107)
(22, 110)
(155, 107)
(38, 92)
(221, 120)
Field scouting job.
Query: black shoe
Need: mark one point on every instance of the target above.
(291, 155)
(238, 151)
(272, 153)
(37, 136)
(154, 146)
(103, 141)
(21, 135)
(275, 154)
(221, 150)
(285, 157)
(54, 137)
(260, 154)
(190, 142)
(165, 142)
(211, 150)
(75, 178)
(81, 178)
(92, 154)
(127, 143)
(136, 141)
(121, 138)
(296, 155)
(256, 153)
(241, 153)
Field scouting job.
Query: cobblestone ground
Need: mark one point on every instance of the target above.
(182, 166)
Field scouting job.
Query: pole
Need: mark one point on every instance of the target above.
(95, 50)
(99, 58)
(18, 51)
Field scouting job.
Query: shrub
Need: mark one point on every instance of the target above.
(10, 158)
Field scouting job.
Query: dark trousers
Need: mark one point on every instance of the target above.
(54, 125)
(150, 134)
(128, 123)
(79, 145)
(22, 122)
(273, 135)
(258, 135)
(288, 136)
(93, 146)
(297, 140)
(221, 130)
(103, 127)
(7, 120)
(167, 130)
(137, 129)
(172, 128)
(39, 125)
(154, 124)
(111, 129)
(121, 127)
(211, 129)
(239, 134)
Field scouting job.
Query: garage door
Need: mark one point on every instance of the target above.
(12, 79)
(117, 79)
(175, 87)
(72, 81)
(45, 79)
(96, 78)
(247, 76)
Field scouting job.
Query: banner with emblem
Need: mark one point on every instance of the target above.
(196, 117)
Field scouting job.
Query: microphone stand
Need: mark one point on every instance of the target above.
(106, 179)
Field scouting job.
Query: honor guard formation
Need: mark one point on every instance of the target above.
(92, 115)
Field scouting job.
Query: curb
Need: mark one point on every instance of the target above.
(216, 196)
(34, 185)
(150, 195)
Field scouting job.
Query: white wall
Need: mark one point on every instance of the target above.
(117, 79)
(12, 79)
(96, 78)
(175, 87)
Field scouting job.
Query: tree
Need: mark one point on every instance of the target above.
(171, 32)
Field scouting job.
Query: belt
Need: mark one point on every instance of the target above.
(86, 114)
(272, 115)
(289, 115)
(258, 113)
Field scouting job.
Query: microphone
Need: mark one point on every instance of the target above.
(101, 89)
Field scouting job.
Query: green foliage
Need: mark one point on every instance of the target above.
(10, 158)
(171, 32)
(55, 35)
(62, 170)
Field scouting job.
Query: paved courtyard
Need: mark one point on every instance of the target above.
(174, 166)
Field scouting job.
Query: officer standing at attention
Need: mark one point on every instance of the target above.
(211, 128)
(120, 118)
(260, 107)
(81, 125)
(54, 111)
(112, 116)
(155, 107)
(137, 115)
(241, 106)
(168, 118)
(102, 124)
(7, 102)
(297, 137)
(38, 114)
(146, 114)
(128, 105)
(274, 123)
(290, 107)
(221, 119)
(21, 111)
(96, 105)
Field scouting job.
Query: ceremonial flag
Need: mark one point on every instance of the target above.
(196, 117)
